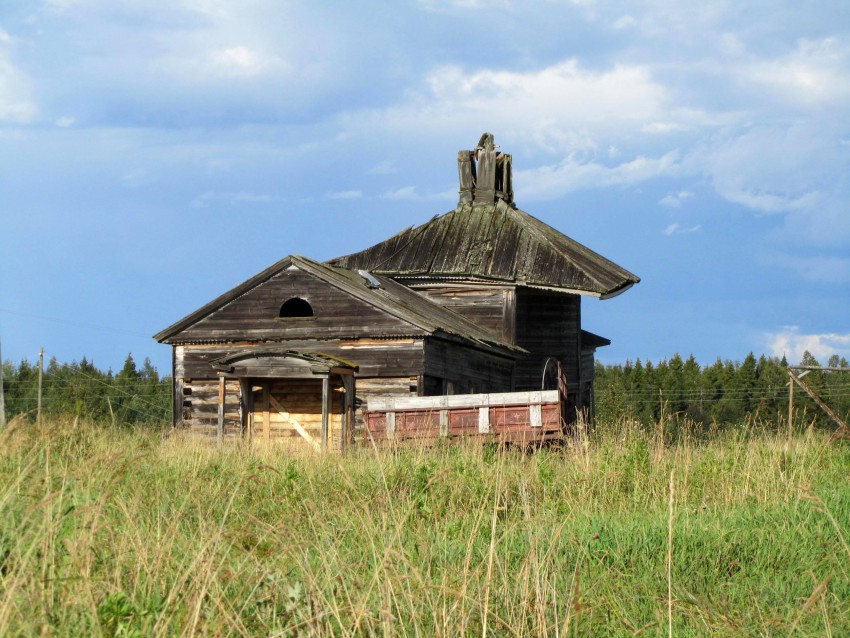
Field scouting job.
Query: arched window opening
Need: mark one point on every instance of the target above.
(296, 308)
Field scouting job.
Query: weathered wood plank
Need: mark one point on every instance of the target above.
(376, 359)
(255, 314)
(463, 401)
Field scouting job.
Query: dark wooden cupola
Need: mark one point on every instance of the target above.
(485, 174)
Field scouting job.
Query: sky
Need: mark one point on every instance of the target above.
(153, 155)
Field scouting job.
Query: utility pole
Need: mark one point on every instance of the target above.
(40, 375)
(2, 398)
(790, 414)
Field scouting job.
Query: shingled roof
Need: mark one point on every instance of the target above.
(493, 242)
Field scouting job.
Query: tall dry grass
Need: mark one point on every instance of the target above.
(109, 531)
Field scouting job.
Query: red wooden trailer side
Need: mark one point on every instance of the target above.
(520, 417)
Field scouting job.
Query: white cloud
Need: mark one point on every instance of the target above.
(344, 195)
(209, 197)
(766, 201)
(65, 121)
(242, 61)
(815, 73)
(674, 200)
(450, 6)
(549, 182)
(16, 101)
(560, 108)
(660, 128)
(405, 192)
(410, 192)
(386, 167)
(625, 22)
(791, 343)
(773, 167)
(676, 229)
(205, 66)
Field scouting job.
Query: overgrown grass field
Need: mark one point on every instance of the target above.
(109, 531)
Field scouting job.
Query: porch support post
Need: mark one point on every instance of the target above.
(326, 408)
(246, 404)
(267, 413)
(219, 432)
(348, 410)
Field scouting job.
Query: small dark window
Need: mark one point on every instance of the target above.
(296, 308)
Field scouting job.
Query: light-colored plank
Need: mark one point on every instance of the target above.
(484, 420)
(287, 417)
(535, 413)
(390, 431)
(380, 404)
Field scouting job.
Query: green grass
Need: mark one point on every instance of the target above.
(117, 532)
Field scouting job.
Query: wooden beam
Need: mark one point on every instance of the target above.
(245, 401)
(304, 434)
(462, 400)
(40, 375)
(267, 415)
(484, 416)
(219, 432)
(790, 416)
(326, 408)
(535, 415)
(841, 424)
(348, 385)
(295, 424)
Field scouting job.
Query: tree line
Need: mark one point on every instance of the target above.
(135, 395)
(724, 393)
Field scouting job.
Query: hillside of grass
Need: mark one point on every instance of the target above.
(111, 531)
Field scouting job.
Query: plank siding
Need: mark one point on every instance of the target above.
(376, 358)
(254, 315)
(469, 370)
(489, 307)
(547, 325)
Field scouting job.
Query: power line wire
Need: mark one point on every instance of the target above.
(78, 324)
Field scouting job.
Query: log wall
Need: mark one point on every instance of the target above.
(199, 407)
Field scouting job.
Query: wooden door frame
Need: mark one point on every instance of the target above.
(267, 405)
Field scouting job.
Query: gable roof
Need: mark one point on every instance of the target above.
(495, 242)
(391, 297)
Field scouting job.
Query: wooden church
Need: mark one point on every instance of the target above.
(476, 306)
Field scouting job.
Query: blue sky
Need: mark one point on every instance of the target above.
(155, 154)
